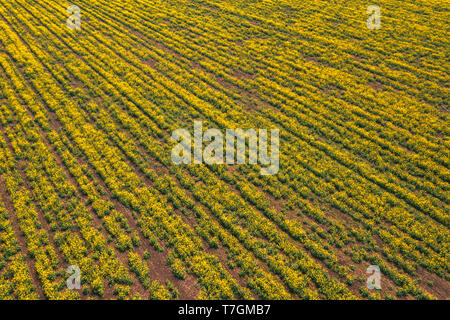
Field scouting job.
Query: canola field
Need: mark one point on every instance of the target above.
(88, 190)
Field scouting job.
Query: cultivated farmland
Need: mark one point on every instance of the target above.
(87, 181)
